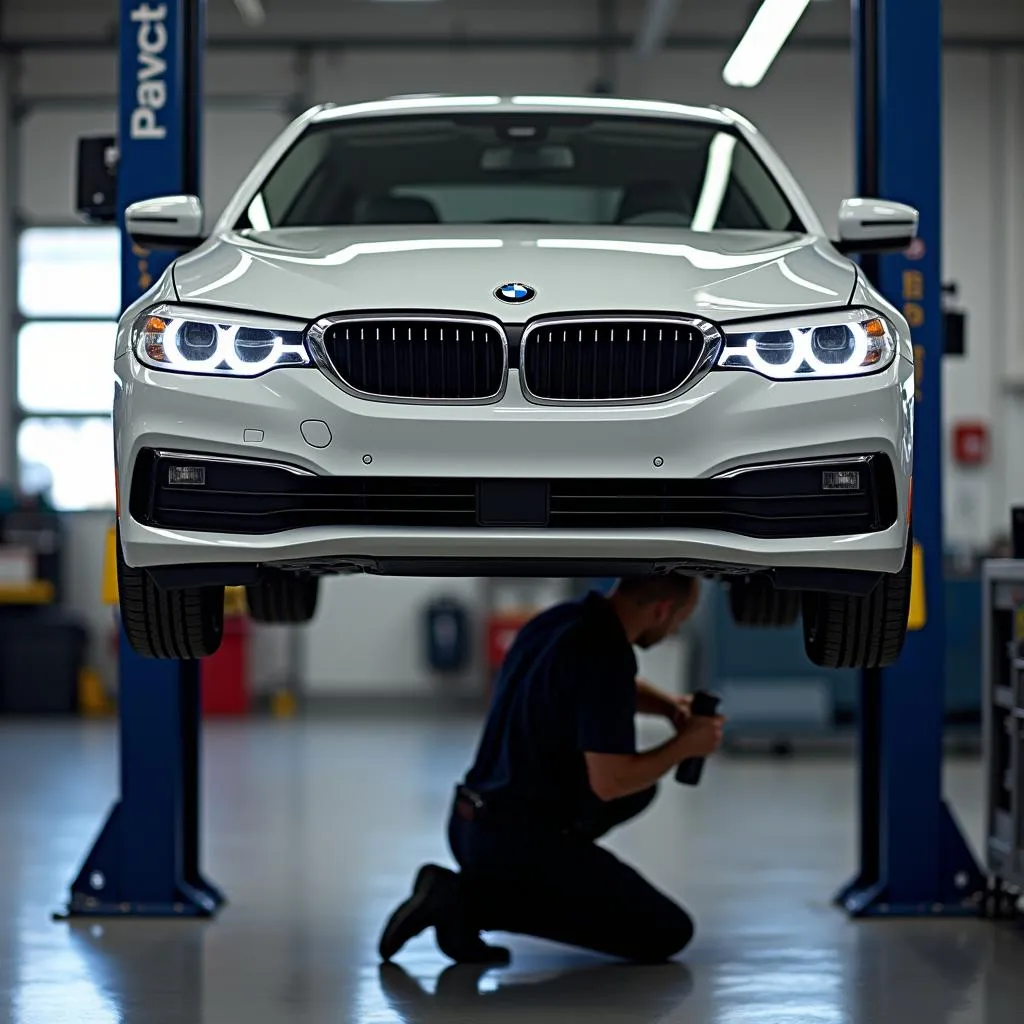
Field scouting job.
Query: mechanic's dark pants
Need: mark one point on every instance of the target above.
(564, 887)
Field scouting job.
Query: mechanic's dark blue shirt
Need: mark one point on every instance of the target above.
(567, 686)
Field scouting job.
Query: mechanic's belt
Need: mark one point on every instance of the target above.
(471, 806)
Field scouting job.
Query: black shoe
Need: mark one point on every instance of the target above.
(435, 902)
(421, 910)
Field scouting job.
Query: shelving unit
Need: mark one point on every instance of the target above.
(1003, 708)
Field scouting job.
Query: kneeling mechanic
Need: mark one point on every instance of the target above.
(557, 768)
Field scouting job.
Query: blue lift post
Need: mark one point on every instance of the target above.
(145, 861)
(913, 857)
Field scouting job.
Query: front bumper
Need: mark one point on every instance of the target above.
(728, 421)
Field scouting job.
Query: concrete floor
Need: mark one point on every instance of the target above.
(314, 830)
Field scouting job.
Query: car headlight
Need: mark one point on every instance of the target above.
(846, 343)
(194, 340)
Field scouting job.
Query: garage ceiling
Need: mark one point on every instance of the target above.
(649, 22)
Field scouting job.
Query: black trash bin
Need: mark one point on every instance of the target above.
(447, 635)
(42, 654)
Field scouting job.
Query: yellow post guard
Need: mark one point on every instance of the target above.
(109, 586)
(918, 612)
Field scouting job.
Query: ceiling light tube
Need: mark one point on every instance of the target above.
(765, 36)
(251, 12)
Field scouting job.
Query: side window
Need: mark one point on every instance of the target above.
(759, 193)
(288, 181)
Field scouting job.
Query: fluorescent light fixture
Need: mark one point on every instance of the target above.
(251, 11)
(716, 180)
(765, 36)
(657, 21)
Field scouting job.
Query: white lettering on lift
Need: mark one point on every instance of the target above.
(151, 76)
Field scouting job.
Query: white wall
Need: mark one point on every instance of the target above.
(368, 634)
(968, 258)
(1008, 276)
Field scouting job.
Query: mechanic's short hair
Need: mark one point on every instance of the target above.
(667, 587)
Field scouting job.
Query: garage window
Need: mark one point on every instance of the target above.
(68, 302)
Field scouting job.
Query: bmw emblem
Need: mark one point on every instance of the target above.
(515, 291)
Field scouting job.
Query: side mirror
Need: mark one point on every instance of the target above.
(876, 225)
(170, 222)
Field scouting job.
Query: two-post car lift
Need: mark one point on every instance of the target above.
(913, 859)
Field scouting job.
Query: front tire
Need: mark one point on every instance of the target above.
(860, 631)
(754, 601)
(283, 597)
(182, 624)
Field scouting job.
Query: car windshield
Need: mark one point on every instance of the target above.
(521, 169)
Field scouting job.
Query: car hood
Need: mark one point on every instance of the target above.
(310, 272)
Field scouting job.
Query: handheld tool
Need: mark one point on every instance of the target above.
(689, 771)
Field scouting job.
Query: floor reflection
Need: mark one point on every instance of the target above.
(471, 993)
(936, 973)
(61, 983)
(136, 972)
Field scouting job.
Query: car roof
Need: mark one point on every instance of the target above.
(444, 104)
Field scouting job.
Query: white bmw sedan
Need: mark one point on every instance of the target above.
(516, 336)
